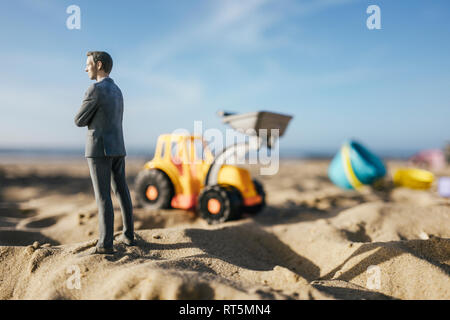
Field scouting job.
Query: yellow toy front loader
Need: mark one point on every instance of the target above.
(184, 174)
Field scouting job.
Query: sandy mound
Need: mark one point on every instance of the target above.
(313, 241)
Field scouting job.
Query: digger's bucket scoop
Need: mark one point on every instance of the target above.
(250, 123)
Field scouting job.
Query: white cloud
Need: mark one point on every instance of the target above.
(234, 24)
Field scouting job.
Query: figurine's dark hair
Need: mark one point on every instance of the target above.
(105, 59)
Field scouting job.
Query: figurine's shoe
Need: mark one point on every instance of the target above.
(126, 241)
(100, 250)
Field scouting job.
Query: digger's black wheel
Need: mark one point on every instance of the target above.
(257, 208)
(154, 190)
(218, 204)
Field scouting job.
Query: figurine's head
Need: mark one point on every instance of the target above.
(98, 64)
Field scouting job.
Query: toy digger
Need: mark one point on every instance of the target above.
(185, 175)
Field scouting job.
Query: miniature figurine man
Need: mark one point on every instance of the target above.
(102, 112)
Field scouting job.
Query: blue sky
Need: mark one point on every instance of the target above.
(180, 61)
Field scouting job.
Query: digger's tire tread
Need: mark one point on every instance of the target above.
(163, 185)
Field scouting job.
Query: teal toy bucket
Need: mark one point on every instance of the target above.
(354, 165)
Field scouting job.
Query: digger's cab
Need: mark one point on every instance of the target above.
(185, 159)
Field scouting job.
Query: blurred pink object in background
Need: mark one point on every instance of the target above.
(433, 159)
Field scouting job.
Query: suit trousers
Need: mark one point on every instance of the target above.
(106, 172)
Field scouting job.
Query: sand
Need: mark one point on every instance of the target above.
(312, 241)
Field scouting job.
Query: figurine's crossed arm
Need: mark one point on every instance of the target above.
(88, 107)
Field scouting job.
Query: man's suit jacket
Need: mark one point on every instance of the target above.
(102, 112)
